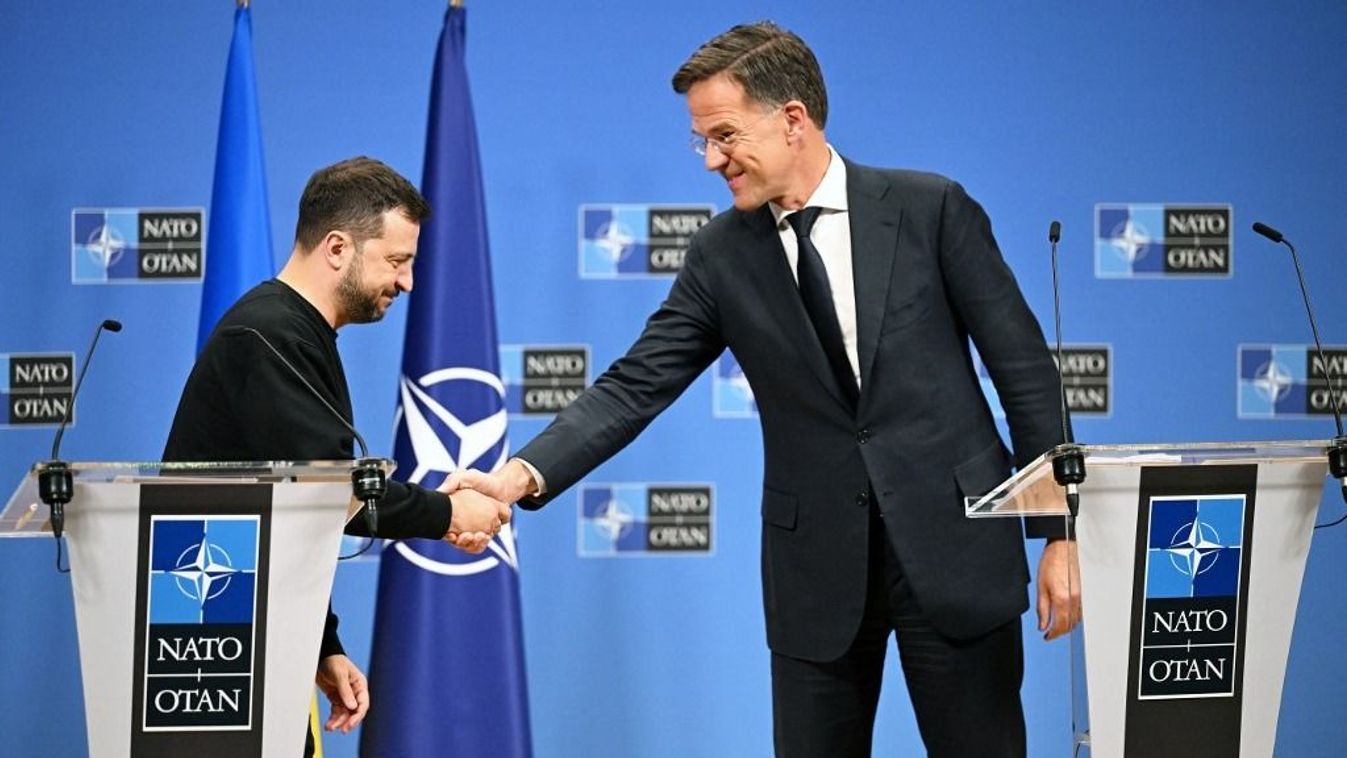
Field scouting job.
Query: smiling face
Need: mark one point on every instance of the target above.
(747, 142)
(379, 270)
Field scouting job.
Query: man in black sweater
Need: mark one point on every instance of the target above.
(354, 246)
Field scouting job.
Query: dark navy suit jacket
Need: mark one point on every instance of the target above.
(928, 276)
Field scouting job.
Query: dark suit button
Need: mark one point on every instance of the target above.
(863, 499)
(863, 436)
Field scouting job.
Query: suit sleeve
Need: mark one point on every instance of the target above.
(1005, 332)
(679, 341)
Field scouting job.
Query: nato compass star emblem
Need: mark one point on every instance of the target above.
(1273, 380)
(1130, 240)
(1194, 548)
(203, 572)
(615, 240)
(476, 439)
(105, 246)
(614, 520)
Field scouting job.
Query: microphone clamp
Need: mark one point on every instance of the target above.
(369, 485)
(1068, 469)
(1337, 463)
(56, 487)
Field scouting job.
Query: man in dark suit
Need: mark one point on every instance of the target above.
(848, 295)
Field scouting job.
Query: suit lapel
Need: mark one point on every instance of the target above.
(775, 284)
(874, 243)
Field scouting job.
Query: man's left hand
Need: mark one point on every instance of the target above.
(1058, 589)
(346, 689)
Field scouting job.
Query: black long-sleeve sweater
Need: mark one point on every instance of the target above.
(242, 404)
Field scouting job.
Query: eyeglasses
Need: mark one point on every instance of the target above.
(726, 139)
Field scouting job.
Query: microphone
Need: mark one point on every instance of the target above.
(55, 481)
(1068, 463)
(367, 478)
(1269, 232)
(1337, 454)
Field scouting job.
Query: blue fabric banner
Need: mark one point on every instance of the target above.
(447, 669)
(238, 242)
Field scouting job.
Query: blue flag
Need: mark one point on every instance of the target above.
(238, 244)
(447, 670)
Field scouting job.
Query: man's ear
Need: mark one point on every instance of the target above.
(797, 118)
(337, 247)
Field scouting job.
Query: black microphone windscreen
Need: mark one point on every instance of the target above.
(112, 325)
(1055, 231)
(1267, 231)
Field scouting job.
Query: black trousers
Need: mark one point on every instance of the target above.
(965, 693)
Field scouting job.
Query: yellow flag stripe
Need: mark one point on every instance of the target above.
(314, 727)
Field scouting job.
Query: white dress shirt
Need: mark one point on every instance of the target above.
(832, 236)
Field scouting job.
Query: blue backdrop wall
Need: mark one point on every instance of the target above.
(1042, 110)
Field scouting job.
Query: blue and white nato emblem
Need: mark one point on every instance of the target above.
(200, 633)
(629, 240)
(1190, 622)
(119, 245)
(732, 396)
(637, 519)
(1291, 381)
(1136, 240)
(436, 416)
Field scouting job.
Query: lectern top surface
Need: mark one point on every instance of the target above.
(1032, 491)
(25, 515)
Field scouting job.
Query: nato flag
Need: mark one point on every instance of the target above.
(447, 670)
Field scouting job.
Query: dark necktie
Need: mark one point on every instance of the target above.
(818, 302)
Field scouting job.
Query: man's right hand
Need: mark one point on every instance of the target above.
(345, 687)
(476, 518)
(512, 482)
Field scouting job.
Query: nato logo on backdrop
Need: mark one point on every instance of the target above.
(1190, 616)
(120, 245)
(1140, 240)
(39, 389)
(1290, 381)
(541, 380)
(629, 240)
(732, 397)
(1087, 377)
(199, 635)
(638, 519)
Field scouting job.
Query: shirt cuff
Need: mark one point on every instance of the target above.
(537, 479)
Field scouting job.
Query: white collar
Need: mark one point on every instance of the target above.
(830, 194)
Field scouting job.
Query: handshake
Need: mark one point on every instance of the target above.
(481, 503)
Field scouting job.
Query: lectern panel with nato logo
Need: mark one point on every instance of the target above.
(200, 592)
(1191, 559)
